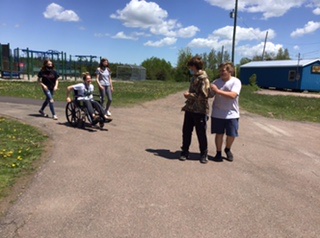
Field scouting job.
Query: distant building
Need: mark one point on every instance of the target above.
(296, 75)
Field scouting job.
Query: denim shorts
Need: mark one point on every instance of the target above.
(228, 126)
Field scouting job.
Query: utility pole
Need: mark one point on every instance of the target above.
(234, 15)
(264, 47)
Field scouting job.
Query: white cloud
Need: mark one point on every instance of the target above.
(150, 16)
(164, 42)
(140, 14)
(316, 11)
(121, 35)
(251, 51)
(269, 9)
(296, 47)
(56, 12)
(310, 27)
(223, 37)
(243, 34)
(99, 35)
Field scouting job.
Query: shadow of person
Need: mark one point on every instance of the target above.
(167, 154)
(38, 115)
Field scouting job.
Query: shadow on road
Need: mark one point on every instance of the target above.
(167, 154)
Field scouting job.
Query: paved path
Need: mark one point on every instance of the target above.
(126, 181)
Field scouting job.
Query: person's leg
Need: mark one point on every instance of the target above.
(109, 96)
(102, 96)
(218, 128)
(187, 129)
(219, 142)
(229, 141)
(45, 103)
(97, 106)
(89, 107)
(50, 94)
(231, 132)
(201, 130)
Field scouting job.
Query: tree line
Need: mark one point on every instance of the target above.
(160, 69)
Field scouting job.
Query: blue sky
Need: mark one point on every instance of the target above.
(131, 31)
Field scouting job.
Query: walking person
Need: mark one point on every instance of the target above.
(48, 79)
(225, 109)
(105, 84)
(196, 110)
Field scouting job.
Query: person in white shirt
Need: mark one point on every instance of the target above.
(104, 82)
(84, 93)
(225, 109)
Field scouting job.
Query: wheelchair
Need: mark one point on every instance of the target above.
(77, 114)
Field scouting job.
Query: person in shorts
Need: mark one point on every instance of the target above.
(225, 112)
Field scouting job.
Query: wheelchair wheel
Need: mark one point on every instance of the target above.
(73, 114)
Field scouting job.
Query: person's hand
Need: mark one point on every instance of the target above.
(55, 88)
(68, 99)
(214, 88)
(45, 88)
(186, 94)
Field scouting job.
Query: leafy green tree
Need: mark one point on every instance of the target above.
(282, 54)
(182, 72)
(158, 69)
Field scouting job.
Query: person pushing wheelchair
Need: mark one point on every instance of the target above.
(84, 94)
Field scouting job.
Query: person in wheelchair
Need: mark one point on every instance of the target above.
(84, 94)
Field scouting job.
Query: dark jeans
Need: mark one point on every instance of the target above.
(91, 105)
(199, 121)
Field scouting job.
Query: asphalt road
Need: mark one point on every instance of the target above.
(126, 180)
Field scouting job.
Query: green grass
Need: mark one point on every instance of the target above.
(125, 94)
(20, 146)
(281, 107)
(131, 93)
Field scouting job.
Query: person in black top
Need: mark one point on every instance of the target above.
(48, 79)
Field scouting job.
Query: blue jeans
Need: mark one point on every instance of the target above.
(49, 100)
(106, 91)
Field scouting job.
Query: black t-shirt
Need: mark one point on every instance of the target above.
(48, 77)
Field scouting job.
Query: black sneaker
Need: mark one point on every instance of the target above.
(183, 156)
(204, 158)
(43, 114)
(229, 155)
(218, 157)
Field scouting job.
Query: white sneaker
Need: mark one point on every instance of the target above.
(55, 117)
(108, 113)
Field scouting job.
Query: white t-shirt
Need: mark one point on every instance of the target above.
(223, 107)
(83, 92)
(104, 76)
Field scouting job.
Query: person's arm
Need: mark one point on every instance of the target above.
(56, 85)
(111, 85)
(217, 91)
(43, 86)
(98, 81)
(69, 89)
